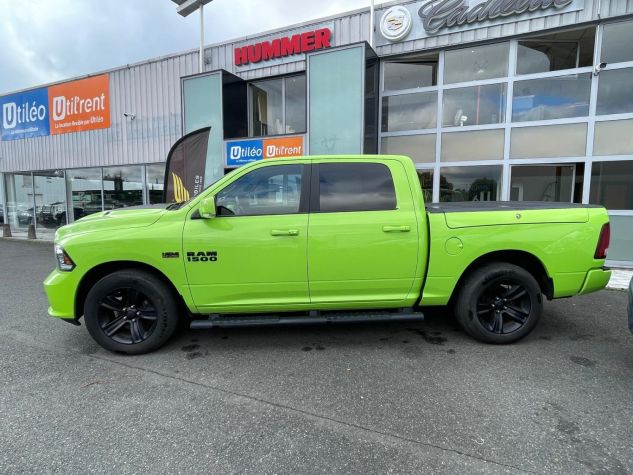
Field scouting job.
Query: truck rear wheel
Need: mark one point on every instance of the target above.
(131, 311)
(499, 303)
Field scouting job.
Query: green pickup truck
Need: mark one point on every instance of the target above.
(321, 239)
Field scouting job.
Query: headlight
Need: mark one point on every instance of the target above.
(64, 262)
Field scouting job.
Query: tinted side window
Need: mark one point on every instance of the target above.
(265, 191)
(355, 187)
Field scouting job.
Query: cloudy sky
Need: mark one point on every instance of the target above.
(50, 40)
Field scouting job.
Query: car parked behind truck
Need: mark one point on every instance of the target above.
(322, 239)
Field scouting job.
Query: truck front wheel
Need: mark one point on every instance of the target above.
(499, 303)
(131, 311)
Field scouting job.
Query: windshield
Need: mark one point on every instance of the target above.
(177, 205)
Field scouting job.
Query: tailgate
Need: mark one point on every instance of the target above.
(517, 216)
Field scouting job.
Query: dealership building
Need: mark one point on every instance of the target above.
(495, 100)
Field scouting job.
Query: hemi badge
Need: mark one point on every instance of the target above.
(171, 255)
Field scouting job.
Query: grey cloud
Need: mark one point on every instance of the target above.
(50, 40)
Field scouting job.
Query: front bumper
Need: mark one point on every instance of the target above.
(629, 307)
(596, 279)
(61, 288)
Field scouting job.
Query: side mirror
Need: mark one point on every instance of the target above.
(207, 208)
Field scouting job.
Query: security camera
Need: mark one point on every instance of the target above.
(129, 115)
(598, 67)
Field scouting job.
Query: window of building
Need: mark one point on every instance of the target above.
(278, 106)
(409, 112)
(410, 73)
(476, 63)
(615, 94)
(617, 39)
(122, 186)
(547, 141)
(474, 105)
(155, 176)
(542, 183)
(482, 183)
(265, 191)
(611, 184)
(565, 50)
(472, 145)
(420, 148)
(50, 200)
(20, 206)
(84, 186)
(613, 137)
(355, 187)
(551, 98)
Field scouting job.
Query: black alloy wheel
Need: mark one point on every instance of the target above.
(499, 303)
(504, 306)
(127, 316)
(131, 311)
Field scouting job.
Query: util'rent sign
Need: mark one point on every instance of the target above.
(79, 105)
(282, 47)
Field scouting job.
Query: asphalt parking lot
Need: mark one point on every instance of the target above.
(384, 398)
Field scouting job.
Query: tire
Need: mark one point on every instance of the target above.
(131, 311)
(499, 303)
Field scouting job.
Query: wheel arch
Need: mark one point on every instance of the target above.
(95, 274)
(522, 259)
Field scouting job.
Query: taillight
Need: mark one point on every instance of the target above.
(603, 242)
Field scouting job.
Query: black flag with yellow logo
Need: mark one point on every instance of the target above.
(184, 171)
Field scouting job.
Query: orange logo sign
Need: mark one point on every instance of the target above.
(80, 105)
(283, 147)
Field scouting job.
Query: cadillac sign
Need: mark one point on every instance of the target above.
(436, 15)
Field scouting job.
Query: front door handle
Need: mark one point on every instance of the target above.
(284, 232)
(396, 229)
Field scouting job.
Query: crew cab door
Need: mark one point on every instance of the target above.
(363, 235)
(256, 244)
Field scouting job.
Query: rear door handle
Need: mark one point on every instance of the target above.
(396, 229)
(284, 232)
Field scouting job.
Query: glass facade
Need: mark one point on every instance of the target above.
(50, 199)
(525, 119)
(278, 106)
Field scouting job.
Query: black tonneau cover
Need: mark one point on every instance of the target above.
(465, 206)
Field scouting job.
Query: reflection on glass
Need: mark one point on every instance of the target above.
(420, 148)
(85, 189)
(155, 182)
(617, 39)
(50, 199)
(426, 182)
(611, 184)
(410, 74)
(409, 112)
(564, 50)
(474, 105)
(295, 104)
(542, 183)
(621, 244)
(613, 137)
(19, 188)
(615, 94)
(551, 98)
(566, 140)
(470, 183)
(122, 186)
(265, 191)
(472, 145)
(476, 63)
(267, 107)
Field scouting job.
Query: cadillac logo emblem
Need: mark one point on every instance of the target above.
(396, 23)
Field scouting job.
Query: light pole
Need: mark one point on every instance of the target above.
(187, 7)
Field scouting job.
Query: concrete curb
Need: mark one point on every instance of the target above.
(620, 279)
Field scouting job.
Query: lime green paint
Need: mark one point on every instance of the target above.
(324, 261)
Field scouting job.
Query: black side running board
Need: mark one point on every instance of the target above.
(310, 318)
